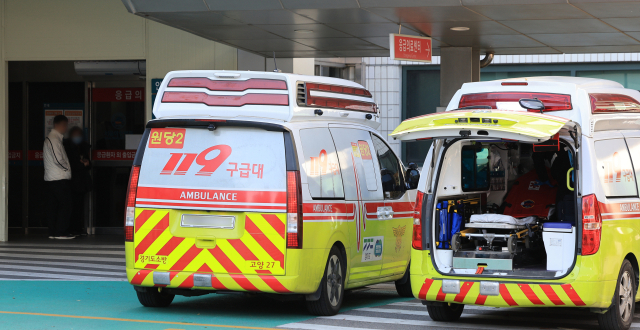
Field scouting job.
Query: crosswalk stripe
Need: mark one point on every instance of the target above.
(79, 251)
(76, 258)
(369, 319)
(310, 326)
(408, 304)
(393, 311)
(64, 270)
(61, 277)
(62, 263)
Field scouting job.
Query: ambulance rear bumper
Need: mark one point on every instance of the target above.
(497, 293)
(208, 281)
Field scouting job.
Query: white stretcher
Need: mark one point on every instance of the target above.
(499, 221)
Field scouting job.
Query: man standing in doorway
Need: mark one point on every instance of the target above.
(57, 174)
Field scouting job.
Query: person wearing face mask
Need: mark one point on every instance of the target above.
(78, 152)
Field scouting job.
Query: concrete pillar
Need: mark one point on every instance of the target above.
(4, 135)
(458, 65)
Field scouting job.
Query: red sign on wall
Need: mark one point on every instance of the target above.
(132, 94)
(410, 48)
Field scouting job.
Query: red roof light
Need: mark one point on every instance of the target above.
(552, 102)
(228, 85)
(226, 100)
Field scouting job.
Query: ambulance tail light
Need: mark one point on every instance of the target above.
(294, 210)
(592, 225)
(552, 102)
(130, 212)
(417, 222)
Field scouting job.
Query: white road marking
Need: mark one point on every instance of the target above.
(59, 276)
(66, 270)
(49, 257)
(62, 263)
(393, 311)
(78, 251)
(309, 326)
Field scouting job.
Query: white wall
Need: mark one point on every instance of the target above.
(72, 30)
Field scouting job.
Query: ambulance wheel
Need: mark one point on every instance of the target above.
(403, 285)
(512, 244)
(332, 287)
(455, 242)
(150, 297)
(443, 311)
(620, 314)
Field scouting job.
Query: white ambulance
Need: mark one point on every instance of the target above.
(266, 182)
(529, 198)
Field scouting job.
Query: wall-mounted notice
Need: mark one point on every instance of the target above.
(73, 111)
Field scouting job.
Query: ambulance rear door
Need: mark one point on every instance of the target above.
(212, 198)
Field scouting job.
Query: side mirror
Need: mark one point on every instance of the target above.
(412, 176)
(532, 104)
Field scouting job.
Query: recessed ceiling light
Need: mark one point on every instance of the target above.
(459, 28)
(303, 31)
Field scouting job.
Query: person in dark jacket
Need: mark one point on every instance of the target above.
(78, 152)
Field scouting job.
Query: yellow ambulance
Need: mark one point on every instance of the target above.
(529, 198)
(266, 182)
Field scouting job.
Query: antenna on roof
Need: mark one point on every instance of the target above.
(275, 63)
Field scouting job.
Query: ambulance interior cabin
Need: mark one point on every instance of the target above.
(505, 208)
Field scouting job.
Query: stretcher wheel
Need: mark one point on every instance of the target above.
(512, 244)
(527, 242)
(455, 242)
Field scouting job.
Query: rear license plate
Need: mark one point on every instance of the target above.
(208, 221)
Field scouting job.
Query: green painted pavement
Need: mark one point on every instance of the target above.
(118, 300)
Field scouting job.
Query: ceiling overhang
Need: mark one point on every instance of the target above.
(360, 28)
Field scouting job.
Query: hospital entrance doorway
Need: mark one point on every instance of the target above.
(108, 109)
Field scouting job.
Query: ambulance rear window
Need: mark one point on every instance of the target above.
(230, 168)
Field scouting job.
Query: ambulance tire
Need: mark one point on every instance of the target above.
(443, 311)
(150, 297)
(403, 285)
(619, 316)
(331, 286)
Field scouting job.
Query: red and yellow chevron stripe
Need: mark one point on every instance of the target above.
(511, 294)
(258, 247)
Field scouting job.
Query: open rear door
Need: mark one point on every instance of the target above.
(490, 124)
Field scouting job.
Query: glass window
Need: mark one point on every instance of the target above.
(475, 168)
(321, 163)
(391, 172)
(614, 168)
(362, 148)
(360, 179)
(634, 149)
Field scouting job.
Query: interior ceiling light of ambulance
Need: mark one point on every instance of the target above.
(552, 102)
(607, 103)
